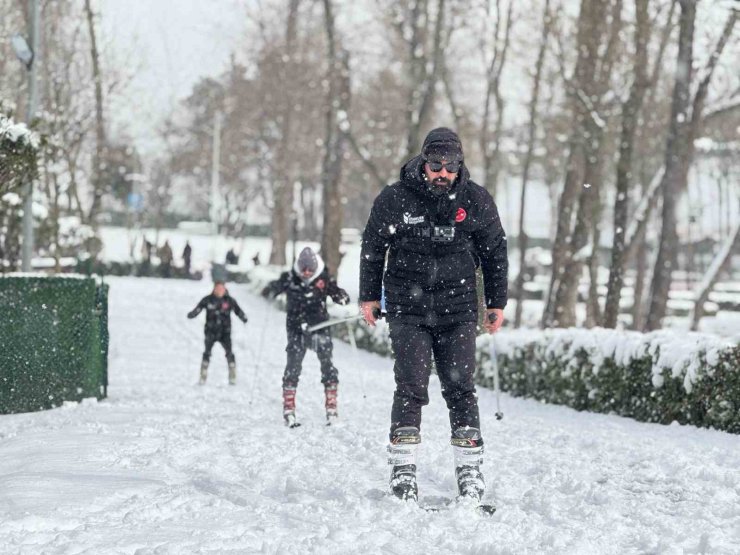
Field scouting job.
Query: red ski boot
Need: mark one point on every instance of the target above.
(331, 403)
(289, 407)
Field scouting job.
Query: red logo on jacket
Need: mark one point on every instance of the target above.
(320, 284)
(461, 215)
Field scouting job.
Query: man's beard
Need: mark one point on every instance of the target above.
(440, 185)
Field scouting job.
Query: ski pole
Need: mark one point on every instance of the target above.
(329, 323)
(352, 342)
(266, 324)
(499, 415)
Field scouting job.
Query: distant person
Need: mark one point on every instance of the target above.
(218, 305)
(307, 287)
(165, 259)
(146, 251)
(256, 259)
(231, 257)
(146, 257)
(187, 254)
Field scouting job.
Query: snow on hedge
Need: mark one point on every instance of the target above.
(18, 133)
(683, 354)
(662, 376)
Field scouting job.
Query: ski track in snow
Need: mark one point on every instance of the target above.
(166, 466)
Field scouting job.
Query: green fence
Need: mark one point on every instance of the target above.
(53, 341)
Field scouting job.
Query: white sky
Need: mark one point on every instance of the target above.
(165, 45)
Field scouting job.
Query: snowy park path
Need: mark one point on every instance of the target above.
(166, 466)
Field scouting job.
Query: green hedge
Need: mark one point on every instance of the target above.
(53, 341)
(659, 377)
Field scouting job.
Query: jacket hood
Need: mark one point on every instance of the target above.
(320, 268)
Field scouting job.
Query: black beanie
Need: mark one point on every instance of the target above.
(442, 144)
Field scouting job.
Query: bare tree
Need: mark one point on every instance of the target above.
(532, 133)
(337, 109)
(491, 145)
(422, 32)
(283, 188)
(99, 153)
(586, 122)
(630, 112)
(686, 117)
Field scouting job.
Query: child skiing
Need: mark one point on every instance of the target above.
(307, 286)
(218, 306)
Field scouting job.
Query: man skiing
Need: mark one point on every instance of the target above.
(218, 305)
(307, 287)
(436, 226)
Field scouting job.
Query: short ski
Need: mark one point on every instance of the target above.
(483, 509)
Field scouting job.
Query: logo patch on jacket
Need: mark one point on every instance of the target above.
(224, 305)
(461, 215)
(409, 219)
(321, 284)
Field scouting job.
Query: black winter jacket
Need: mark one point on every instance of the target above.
(306, 300)
(218, 312)
(426, 281)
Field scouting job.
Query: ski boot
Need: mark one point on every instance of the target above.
(467, 446)
(402, 458)
(330, 391)
(232, 373)
(203, 372)
(289, 407)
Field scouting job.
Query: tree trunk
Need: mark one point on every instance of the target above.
(630, 112)
(99, 154)
(581, 91)
(671, 183)
(566, 295)
(593, 308)
(641, 271)
(336, 116)
(283, 188)
(417, 66)
(532, 133)
(491, 145)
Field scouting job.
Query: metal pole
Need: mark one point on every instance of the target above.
(27, 251)
(496, 385)
(353, 342)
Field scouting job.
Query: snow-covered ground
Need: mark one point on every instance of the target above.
(166, 466)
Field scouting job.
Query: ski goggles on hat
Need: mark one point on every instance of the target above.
(451, 167)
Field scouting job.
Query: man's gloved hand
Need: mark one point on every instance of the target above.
(244, 319)
(265, 292)
(191, 315)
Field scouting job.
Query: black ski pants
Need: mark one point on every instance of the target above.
(298, 342)
(218, 336)
(452, 348)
